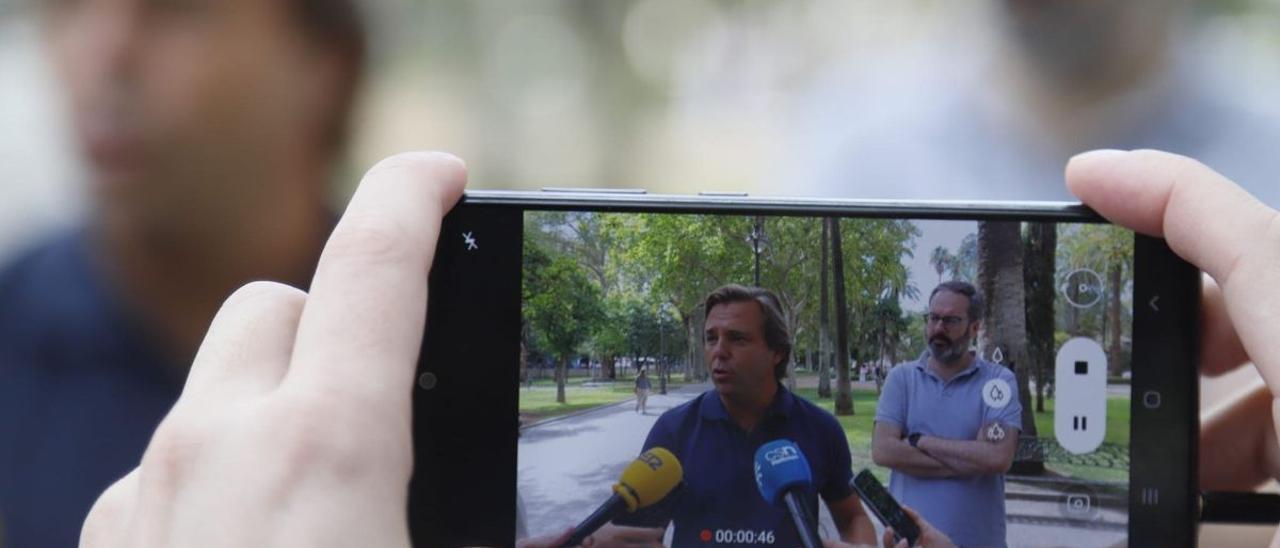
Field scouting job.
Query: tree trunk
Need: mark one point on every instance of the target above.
(697, 364)
(524, 363)
(1114, 355)
(607, 364)
(1073, 312)
(824, 324)
(562, 371)
(1042, 240)
(1000, 276)
(844, 393)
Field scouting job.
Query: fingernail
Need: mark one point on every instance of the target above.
(1100, 154)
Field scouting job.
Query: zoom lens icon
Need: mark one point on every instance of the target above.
(1082, 288)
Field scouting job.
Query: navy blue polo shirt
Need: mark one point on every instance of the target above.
(81, 390)
(718, 502)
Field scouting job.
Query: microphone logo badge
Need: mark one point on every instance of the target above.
(653, 461)
(781, 455)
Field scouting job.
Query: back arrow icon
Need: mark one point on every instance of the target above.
(1153, 303)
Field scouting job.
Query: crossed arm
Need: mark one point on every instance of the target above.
(889, 449)
(937, 457)
(976, 457)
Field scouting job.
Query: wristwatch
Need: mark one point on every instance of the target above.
(914, 439)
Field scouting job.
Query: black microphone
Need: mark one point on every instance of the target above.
(782, 474)
(647, 480)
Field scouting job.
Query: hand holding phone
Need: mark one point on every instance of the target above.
(929, 537)
(898, 524)
(1217, 226)
(298, 401)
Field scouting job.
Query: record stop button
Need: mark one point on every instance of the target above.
(1080, 382)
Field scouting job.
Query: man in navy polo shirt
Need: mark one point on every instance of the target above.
(716, 435)
(948, 425)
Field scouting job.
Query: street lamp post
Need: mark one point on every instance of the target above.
(662, 354)
(757, 240)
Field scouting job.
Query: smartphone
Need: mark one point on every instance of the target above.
(562, 326)
(886, 509)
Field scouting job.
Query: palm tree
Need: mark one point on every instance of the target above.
(824, 325)
(844, 392)
(941, 259)
(1000, 276)
(1041, 246)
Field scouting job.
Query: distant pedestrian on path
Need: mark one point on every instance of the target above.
(643, 386)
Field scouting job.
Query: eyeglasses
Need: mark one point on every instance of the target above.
(946, 321)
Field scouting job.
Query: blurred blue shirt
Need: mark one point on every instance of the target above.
(82, 387)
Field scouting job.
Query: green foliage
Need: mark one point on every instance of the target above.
(1107, 250)
(629, 284)
(561, 306)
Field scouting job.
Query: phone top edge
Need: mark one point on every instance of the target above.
(726, 203)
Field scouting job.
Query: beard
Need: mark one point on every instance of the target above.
(946, 350)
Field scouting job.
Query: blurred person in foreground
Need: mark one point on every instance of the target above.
(996, 121)
(210, 130)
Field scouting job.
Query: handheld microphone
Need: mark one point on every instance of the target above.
(782, 474)
(647, 480)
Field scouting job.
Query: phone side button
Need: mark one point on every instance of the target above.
(1151, 399)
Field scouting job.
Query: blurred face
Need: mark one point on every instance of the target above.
(948, 327)
(178, 104)
(1084, 39)
(741, 363)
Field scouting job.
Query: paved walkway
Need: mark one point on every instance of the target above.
(566, 467)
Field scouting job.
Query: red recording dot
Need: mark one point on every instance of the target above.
(705, 535)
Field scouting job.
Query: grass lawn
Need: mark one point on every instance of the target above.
(539, 402)
(859, 426)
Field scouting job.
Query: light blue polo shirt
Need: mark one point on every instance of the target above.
(970, 510)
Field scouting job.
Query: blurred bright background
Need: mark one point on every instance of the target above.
(667, 95)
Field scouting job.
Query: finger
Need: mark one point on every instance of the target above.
(1238, 447)
(1207, 220)
(1220, 348)
(886, 540)
(637, 535)
(106, 519)
(911, 513)
(563, 538)
(247, 348)
(361, 330)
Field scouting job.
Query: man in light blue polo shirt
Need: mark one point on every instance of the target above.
(947, 425)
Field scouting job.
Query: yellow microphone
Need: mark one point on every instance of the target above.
(647, 480)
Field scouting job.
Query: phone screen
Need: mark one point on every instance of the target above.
(883, 505)
(577, 338)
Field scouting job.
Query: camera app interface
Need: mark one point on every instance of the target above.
(695, 372)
